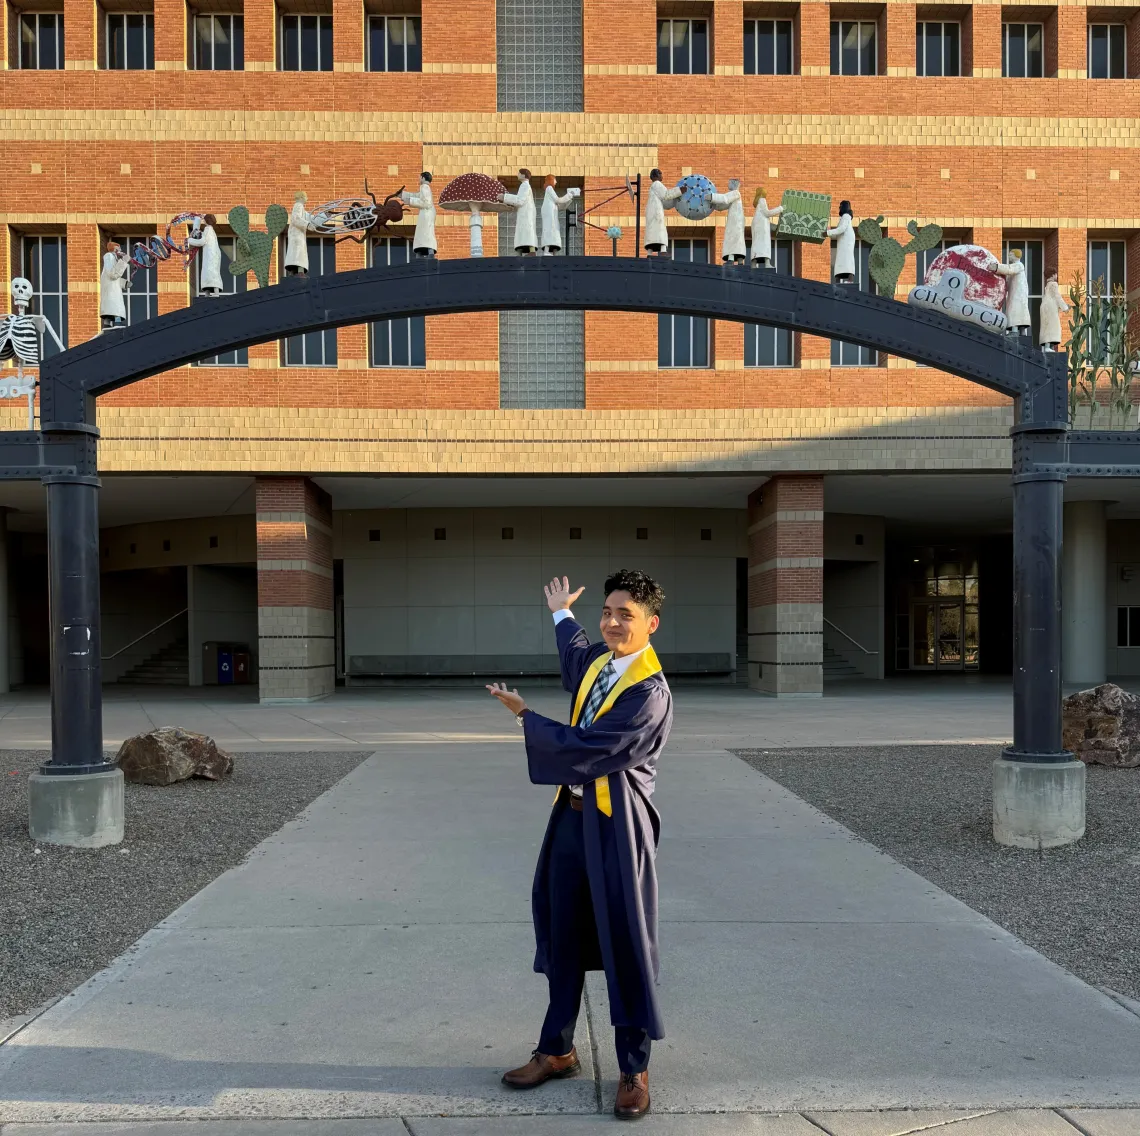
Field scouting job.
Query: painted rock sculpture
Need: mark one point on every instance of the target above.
(962, 282)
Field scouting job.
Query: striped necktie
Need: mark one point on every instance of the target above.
(598, 694)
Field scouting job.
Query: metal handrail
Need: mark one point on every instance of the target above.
(107, 658)
(848, 638)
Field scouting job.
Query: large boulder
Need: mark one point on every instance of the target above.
(1102, 726)
(169, 754)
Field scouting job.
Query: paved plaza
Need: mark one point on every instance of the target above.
(367, 969)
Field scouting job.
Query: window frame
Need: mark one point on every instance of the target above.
(687, 245)
(232, 285)
(321, 18)
(1111, 246)
(415, 327)
(322, 248)
(838, 32)
(864, 356)
(690, 22)
(369, 63)
(783, 252)
(38, 17)
(39, 295)
(1026, 56)
(920, 54)
(148, 40)
(754, 23)
(236, 20)
(1109, 29)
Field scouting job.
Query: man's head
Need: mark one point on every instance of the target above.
(630, 611)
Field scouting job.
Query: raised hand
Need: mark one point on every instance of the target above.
(511, 699)
(558, 594)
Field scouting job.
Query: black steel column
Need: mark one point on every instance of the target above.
(73, 605)
(1038, 499)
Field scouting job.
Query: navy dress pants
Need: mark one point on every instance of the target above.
(574, 946)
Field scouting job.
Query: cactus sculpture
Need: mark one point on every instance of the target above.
(252, 248)
(888, 256)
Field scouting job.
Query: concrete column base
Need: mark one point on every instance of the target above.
(1038, 804)
(80, 810)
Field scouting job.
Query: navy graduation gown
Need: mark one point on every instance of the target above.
(615, 759)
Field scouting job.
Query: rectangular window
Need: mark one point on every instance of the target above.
(1128, 626)
(306, 43)
(854, 47)
(400, 342)
(317, 348)
(683, 341)
(768, 47)
(231, 285)
(1108, 51)
(219, 43)
(1023, 51)
(772, 346)
(141, 298)
(845, 354)
(938, 50)
(1033, 257)
(130, 41)
(682, 47)
(43, 261)
(1105, 267)
(41, 41)
(394, 43)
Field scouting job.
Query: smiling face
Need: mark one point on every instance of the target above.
(625, 626)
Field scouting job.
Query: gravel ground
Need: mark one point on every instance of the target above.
(66, 912)
(930, 808)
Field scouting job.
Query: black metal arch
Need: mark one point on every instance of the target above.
(434, 287)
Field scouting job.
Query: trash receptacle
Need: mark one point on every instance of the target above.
(241, 666)
(225, 666)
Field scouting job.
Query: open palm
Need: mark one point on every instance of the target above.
(558, 594)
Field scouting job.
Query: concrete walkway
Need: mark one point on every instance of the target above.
(367, 970)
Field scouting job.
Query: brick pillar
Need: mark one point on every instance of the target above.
(785, 586)
(294, 590)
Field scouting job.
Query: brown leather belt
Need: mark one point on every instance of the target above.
(575, 802)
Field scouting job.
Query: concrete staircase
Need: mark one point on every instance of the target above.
(169, 666)
(835, 666)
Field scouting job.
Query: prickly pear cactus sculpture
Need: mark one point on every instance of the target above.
(253, 249)
(887, 256)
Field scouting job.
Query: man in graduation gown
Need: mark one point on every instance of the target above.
(595, 887)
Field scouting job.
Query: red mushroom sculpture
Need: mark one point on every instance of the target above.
(476, 194)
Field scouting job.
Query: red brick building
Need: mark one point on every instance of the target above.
(385, 501)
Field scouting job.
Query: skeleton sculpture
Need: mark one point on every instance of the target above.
(20, 339)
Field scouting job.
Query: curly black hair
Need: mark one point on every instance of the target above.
(642, 588)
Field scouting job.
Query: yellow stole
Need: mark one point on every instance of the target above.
(639, 670)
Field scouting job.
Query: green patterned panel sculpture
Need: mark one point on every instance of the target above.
(253, 249)
(805, 216)
(887, 258)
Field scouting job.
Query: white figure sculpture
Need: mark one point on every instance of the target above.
(113, 282)
(762, 230)
(301, 223)
(203, 236)
(843, 270)
(1052, 305)
(423, 243)
(733, 249)
(20, 339)
(1016, 294)
(656, 233)
(526, 234)
(552, 206)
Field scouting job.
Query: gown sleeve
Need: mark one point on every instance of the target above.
(575, 652)
(628, 736)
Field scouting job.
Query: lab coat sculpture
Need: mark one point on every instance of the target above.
(552, 207)
(843, 270)
(660, 196)
(423, 243)
(301, 223)
(762, 218)
(733, 249)
(113, 282)
(1016, 295)
(203, 236)
(526, 234)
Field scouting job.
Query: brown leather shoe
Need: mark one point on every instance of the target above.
(542, 1067)
(632, 1096)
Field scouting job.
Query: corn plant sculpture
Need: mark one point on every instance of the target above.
(1102, 344)
(887, 256)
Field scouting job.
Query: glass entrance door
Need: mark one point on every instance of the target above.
(942, 638)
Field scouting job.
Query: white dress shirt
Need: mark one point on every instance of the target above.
(620, 666)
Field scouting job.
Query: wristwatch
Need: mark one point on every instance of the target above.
(518, 717)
